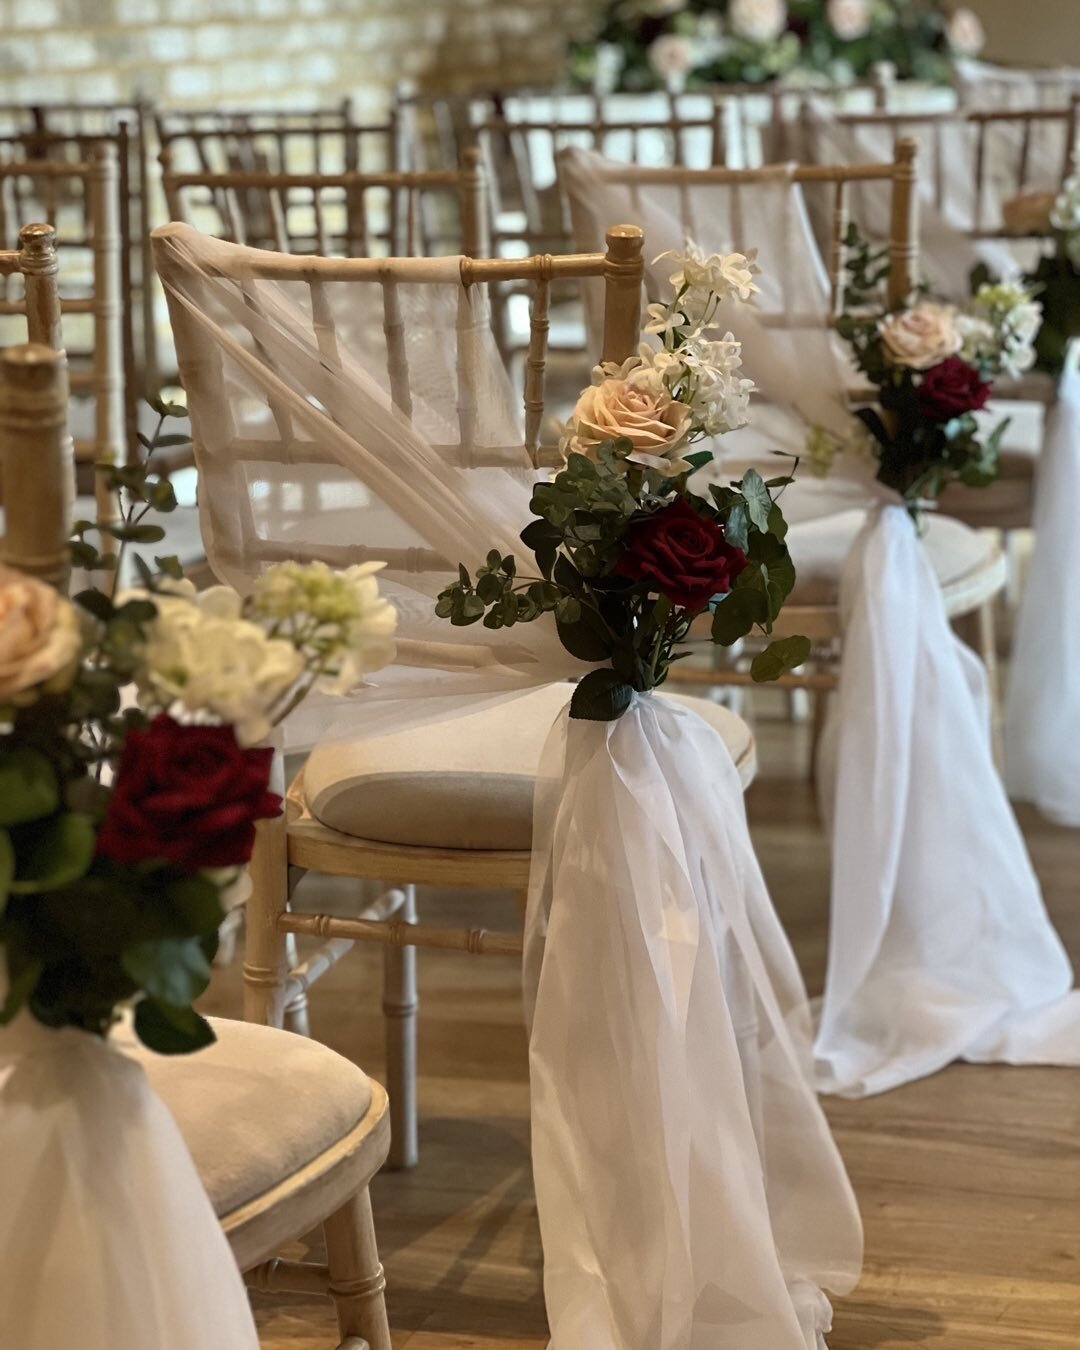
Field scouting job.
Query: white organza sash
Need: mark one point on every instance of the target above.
(690, 1194)
(940, 947)
(1042, 714)
(108, 1239)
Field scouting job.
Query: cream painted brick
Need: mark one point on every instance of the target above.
(168, 44)
(18, 55)
(98, 86)
(65, 51)
(142, 13)
(190, 82)
(36, 14)
(214, 41)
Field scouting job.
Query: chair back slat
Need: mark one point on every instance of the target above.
(535, 365)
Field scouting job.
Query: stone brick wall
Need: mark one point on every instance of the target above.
(200, 53)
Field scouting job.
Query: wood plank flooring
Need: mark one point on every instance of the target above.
(969, 1181)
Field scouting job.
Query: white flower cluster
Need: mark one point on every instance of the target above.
(1065, 216)
(211, 654)
(999, 330)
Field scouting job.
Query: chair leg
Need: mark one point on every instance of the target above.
(357, 1283)
(296, 1010)
(266, 957)
(399, 1010)
(819, 716)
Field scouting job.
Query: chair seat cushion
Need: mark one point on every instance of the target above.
(820, 547)
(465, 783)
(256, 1106)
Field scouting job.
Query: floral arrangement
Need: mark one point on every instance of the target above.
(932, 366)
(123, 822)
(646, 44)
(1056, 278)
(628, 558)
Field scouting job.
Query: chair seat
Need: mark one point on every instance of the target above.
(466, 783)
(257, 1106)
(819, 549)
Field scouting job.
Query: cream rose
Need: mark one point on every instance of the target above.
(39, 637)
(1029, 213)
(641, 411)
(758, 20)
(920, 337)
(849, 19)
(965, 33)
(671, 57)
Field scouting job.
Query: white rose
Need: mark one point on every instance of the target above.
(964, 33)
(758, 20)
(642, 411)
(40, 638)
(849, 19)
(671, 57)
(920, 337)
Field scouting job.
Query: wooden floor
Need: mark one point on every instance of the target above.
(969, 1182)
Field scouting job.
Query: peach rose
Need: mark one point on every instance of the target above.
(642, 411)
(1029, 213)
(39, 637)
(920, 337)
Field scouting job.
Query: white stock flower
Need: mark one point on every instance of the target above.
(964, 32)
(849, 19)
(1065, 214)
(978, 337)
(202, 655)
(758, 20)
(708, 279)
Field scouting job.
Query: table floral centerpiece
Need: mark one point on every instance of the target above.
(133, 770)
(648, 44)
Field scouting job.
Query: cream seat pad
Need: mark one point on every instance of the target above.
(256, 1106)
(819, 549)
(465, 783)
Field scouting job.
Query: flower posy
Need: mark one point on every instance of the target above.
(849, 19)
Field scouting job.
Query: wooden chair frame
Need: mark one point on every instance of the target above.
(275, 988)
(36, 464)
(406, 231)
(105, 381)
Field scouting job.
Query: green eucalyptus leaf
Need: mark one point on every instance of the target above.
(171, 1030)
(28, 788)
(173, 970)
(489, 587)
(195, 905)
(779, 657)
(568, 610)
(737, 526)
(52, 853)
(135, 534)
(162, 497)
(169, 566)
(737, 613)
(586, 637)
(97, 603)
(600, 696)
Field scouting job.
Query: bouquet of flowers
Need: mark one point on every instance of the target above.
(627, 556)
(643, 44)
(932, 366)
(1056, 278)
(124, 822)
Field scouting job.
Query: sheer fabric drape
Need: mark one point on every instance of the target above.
(641, 855)
(914, 778)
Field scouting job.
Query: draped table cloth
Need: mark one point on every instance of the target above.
(352, 409)
(940, 946)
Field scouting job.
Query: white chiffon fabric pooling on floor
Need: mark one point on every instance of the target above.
(704, 987)
(940, 947)
(109, 1240)
(1042, 709)
(672, 1084)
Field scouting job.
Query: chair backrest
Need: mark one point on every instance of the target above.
(974, 160)
(36, 469)
(352, 214)
(100, 375)
(67, 131)
(980, 84)
(36, 262)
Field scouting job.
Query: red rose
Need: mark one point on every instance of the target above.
(951, 388)
(188, 795)
(685, 556)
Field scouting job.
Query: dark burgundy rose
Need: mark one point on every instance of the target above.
(951, 388)
(187, 795)
(682, 555)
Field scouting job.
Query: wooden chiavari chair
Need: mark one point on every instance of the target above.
(980, 84)
(100, 374)
(272, 1168)
(969, 566)
(496, 799)
(352, 215)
